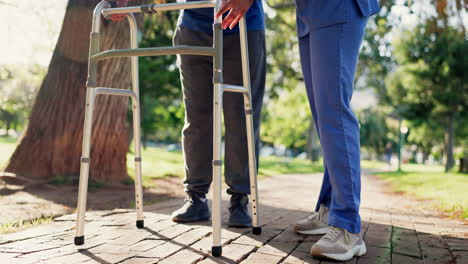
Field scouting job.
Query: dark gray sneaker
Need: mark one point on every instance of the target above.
(239, 212)
(195, 209)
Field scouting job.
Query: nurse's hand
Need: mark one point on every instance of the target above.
(236, 8)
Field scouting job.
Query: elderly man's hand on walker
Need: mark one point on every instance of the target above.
(118, 17)
(236, 8)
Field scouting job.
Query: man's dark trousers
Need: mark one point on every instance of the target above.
(197, 83)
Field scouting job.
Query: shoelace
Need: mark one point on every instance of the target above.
(332, 234)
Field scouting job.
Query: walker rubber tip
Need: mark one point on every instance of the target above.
(216, 251)
(79, 240)
(256, 230)
(140, 223)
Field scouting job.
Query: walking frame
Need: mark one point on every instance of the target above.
(95, 55)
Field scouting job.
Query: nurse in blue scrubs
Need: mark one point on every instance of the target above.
(330, 35)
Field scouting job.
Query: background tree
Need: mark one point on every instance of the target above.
(51, 145)
(160, 90)
(431, 81)
(373, 130)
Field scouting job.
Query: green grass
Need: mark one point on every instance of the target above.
(278, 165)
(20, 225)
(448, 191)
(159, 163)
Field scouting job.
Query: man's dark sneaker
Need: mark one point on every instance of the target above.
(194, 209)
(238, 211)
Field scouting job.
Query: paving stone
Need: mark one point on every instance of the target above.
(205, 244)
(304, 247)
(257, 240)
(146, 245)
(111, 236)
(376, 255)
(138, 260)
(378, 238)
(174, 231)
(430, 240)
(289, 236)
(68, 259)
(437, 255)
(130, 238)
(259, 258)
(277, 248)
(185, 256)
(162, 251)
(237, 252)
(457, 243)
(401, 259)
(193, 235)
(461, 257)
(299, 257)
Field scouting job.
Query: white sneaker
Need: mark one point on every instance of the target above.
(339, 244)
(314, 224)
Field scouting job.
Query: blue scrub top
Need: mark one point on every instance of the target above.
(313, 14)
(201, 19)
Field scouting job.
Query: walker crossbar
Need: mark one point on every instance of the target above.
(159, 7)
(95, 55)
(183, 50)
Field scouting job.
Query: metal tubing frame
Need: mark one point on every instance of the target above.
(249, 124)
(218, 89)
(216, 216)
(160, 7)
(182, 50)
(91, 93)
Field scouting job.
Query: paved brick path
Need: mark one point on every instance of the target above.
(396, 229)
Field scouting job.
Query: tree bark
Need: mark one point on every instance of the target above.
(51, 145)
(450, 138)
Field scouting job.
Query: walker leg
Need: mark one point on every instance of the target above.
(136, 124)
(217, 111)
(84, 169)
(256, 228)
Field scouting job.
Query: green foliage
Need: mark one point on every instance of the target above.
(161, 97)
(287, 118)
(430, 86)
(18, 85)
(7, 146)
(374, 130)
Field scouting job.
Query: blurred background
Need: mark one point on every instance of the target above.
(411, 98)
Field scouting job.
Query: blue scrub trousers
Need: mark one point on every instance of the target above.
(329, 58)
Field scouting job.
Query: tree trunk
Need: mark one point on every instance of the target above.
(463, 165)
(449, 143)
(51, 145)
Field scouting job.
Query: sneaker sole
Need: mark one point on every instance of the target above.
(356, 252)
(320, 231)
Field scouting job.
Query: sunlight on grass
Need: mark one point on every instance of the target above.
(7, 146)
(20, 225)
(158, 162)
(447, 190)
(279, 165)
